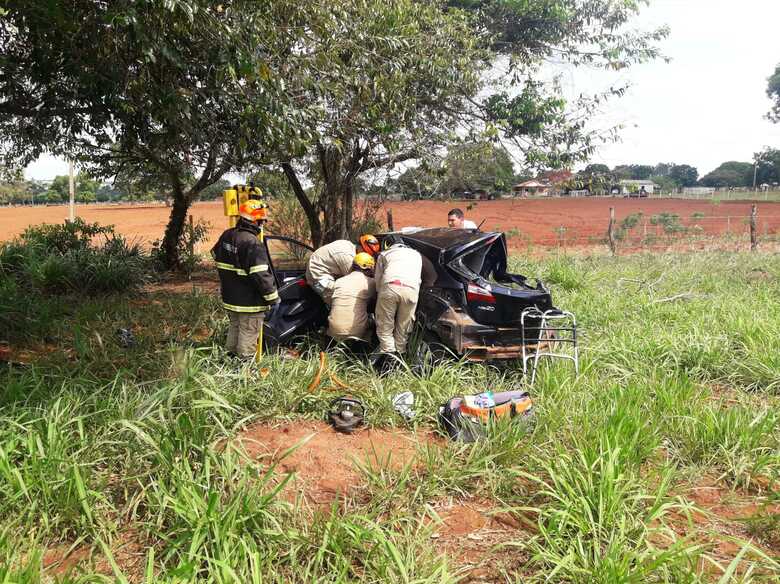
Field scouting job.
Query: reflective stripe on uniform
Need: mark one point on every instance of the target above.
(272, 296)
(242, 272)
(235, 308)
(231, 268)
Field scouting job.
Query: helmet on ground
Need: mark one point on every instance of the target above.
(364, 261)
(254, 210)
(391, 240)
(369, 243)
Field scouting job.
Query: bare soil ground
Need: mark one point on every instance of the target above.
(537, 221)
(327, 468)
(326, 464)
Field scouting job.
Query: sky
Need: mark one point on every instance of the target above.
(708, 104)
(705, 107)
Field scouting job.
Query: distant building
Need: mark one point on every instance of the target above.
(531, 188)
(637, 187)
(550, 183)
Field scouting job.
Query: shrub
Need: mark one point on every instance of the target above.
(63, 237)
(669, 221)
(289, 220)
(65, 258)
(627, 224)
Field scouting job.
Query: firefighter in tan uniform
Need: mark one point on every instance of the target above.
(352, 294)
(334, 260)
(397, 276)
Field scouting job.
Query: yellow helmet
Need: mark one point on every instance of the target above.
(364, 261)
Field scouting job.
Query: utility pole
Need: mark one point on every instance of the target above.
(72, 189)
(755, 169)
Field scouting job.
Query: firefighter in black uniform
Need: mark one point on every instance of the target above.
(246, 280)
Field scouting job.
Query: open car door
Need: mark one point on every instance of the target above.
(301, 309)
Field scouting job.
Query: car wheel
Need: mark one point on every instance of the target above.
(429, 353)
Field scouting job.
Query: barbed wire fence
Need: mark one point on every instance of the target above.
(664, 231)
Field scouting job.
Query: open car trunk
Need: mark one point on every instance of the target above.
(474, 264)
(494, 296)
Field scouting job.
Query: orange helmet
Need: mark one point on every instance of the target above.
(254, 210)
(369, 243)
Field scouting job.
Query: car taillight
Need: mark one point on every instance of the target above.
(302, 283)
(479, 294)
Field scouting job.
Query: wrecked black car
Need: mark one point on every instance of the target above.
(478, 310)
(475, 309)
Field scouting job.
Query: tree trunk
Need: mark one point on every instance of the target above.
(336, 199)
(174, 229)
(332, 198)
(348, 202)
(312, 213)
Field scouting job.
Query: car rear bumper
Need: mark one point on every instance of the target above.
(478, 342)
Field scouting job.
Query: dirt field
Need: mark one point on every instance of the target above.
(535, 221)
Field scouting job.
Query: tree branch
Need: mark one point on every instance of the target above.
(298, 190)
(369, 163)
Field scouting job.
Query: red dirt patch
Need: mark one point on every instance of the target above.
(327, 466)
(475, 538)
(128, 551)
(722, 521)
(178, 284)
(536, 220)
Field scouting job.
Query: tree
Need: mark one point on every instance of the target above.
(273, 182)
(665, 183)
(634, 171)
(729, 174)
(767, 166)
(474, 166)
(410, 78)
(684, 175)
(594, 169)
(182, 90)
(396, 74)
(215, 190)
(85, 188)
(61, 186)
(773, 91)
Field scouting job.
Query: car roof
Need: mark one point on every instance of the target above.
(447, 237)
(447, 242)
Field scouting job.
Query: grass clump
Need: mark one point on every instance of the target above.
(48, 262)
(599, 523)
(101, 444)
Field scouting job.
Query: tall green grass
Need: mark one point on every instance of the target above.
(101, 444)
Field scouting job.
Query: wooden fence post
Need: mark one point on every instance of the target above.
(390, 226)
(610, 230)
(753, 228)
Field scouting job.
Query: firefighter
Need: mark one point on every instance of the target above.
(247, 284)
(397, 277)
(333, 261)
(352, 294)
